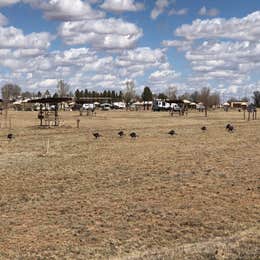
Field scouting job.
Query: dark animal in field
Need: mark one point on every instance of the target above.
(121, 133)
(133, 135)
(230, 128)
(10, 137)
(96, 135)
(204, 128)
(172, 132)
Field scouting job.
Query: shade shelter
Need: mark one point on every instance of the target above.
(49, 110)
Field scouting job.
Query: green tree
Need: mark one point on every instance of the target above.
(162, 96)
(256, 98)
(55, 95)
(47, 93)
(86, 94)
(147, 94)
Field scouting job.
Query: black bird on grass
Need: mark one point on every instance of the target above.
(133, 135)
(172, 132)
(230, 128)
(10, 137)
(97, 135)
(121, 133)
(204, 128)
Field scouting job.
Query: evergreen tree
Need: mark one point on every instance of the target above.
(147, 94)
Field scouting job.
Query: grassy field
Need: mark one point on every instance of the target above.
(191, 196)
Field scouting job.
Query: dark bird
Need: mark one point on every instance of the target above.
(121, 133)
(133, 135)
(172, 132)
(230, 128)
(96, 135)
(204, 128)
(10, 137)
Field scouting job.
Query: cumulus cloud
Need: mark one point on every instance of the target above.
(163, 76)
(65, 10)
(122, 6)
(208, 12)
(107, 34)
(11, 37)
(239, 57)
(226, 51)
(80, 67)
(181, 45)
(159, 8)
(246, 28)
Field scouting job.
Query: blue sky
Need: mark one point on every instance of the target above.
(100, 44)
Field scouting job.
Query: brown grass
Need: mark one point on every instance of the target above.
(194, 195)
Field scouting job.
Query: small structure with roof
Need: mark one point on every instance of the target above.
(49, 110)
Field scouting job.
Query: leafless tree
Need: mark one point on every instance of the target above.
(129, 92)
(171, 92)
(62, 88)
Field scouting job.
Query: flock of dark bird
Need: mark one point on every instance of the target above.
(229, 127)
(133, 135)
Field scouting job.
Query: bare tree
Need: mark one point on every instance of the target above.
(171, 92)
(129, 92)
(214, 99)
(62, 88)
(204, 97)
(10, 91)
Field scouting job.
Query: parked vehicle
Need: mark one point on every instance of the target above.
(88, 106)
(159, 105)
(175, 107)
(106, 106)
(200, 107)
(119, 105)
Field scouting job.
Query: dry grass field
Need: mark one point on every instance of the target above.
(191, 196)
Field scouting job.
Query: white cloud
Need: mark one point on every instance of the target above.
(163, 76)
(160, 6)
(231, 62)
(107, 34)
(208, 12)
(11, 37)
(122, 6)
(181, 45)
(182, 11)
(247, 28)
(8, 2)
(80, 67)
(65, 10)
(47, 83)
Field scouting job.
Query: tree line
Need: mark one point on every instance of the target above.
(12, 91)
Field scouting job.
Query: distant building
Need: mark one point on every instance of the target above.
(239, 104)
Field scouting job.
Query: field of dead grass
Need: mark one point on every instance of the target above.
(194, 195)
